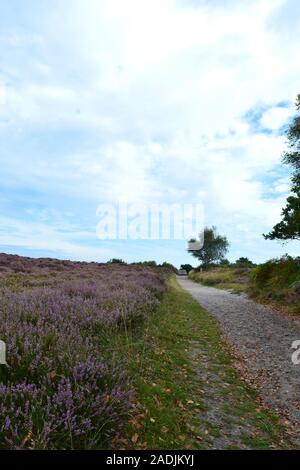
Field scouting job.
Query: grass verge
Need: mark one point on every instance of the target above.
(188, 394)
(236, 280)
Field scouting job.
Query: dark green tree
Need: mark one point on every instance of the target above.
(243, 261)
(169, 266)
(214, 248)
(224, 262)
(289, 227)
(150, 263)
(116, 261)
(186, 267)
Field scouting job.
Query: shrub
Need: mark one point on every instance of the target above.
(244, 262)
(277, 280)
(116, 261)
(276, 273)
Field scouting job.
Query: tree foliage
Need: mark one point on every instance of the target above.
(243, 261)
(116, 261)
(214, 248)
(224, 262)
(187, 267)
(289, 227)
(169, 266)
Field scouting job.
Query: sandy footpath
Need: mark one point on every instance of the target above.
(262, 338)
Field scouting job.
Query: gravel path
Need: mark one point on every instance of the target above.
(262, 338)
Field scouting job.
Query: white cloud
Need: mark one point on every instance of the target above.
(159, 91)
(282, 187)
(42, 236)
(2, 95)
(276, 117)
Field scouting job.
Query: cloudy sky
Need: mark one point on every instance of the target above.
(161, 101)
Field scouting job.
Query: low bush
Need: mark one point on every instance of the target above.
(276, 273)
(277, 280)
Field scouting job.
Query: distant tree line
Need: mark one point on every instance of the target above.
(150, 263)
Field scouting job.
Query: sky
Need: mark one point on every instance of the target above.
(161, 102)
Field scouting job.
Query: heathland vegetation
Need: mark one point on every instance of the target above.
(64, 385)
(112, 356)
(118, 356)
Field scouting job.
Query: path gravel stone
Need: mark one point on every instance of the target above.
(262, 338)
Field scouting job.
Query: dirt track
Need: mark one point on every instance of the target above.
(262, 338)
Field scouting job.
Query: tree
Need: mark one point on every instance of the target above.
(214, 248)
(169, 266)
(186, 267)
(116, 261)
(224, 262)
(289, 227)
(150, 263)
(243, 261)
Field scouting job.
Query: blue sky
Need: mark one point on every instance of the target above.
(167, 101)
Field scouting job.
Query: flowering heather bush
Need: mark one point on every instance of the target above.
(61, 388)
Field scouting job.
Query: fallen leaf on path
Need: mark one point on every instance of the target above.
(118, 440)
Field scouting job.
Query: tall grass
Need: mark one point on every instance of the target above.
(232, 278)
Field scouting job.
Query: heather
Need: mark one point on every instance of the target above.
(64, 387)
